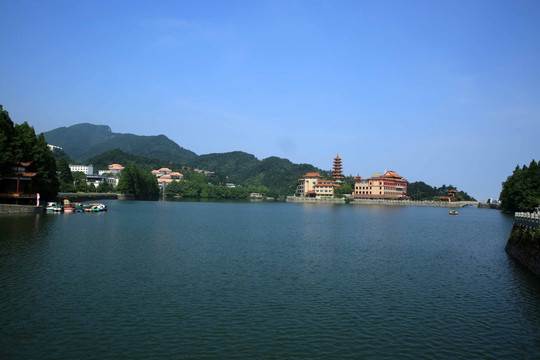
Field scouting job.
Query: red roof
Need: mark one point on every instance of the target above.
(392, 174)
(313, 174)
(116, 167)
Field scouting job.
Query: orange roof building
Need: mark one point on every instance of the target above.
(388, 186)
(312, 185)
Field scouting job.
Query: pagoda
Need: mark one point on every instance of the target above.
(337, 171)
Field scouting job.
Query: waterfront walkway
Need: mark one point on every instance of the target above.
(531, 220)
(446, 204)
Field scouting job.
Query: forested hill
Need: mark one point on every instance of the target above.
(83, 141)
(98, 145)
(117, 156)
(419, 190)
(279, 175)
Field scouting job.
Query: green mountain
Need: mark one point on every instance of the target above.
(83, 141)
(277, 174)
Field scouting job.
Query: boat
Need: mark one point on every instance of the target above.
(68, 206)
(453, 212)
(97, 207)
(50, 206)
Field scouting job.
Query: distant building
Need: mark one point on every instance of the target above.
(113, 180)
(388, 186)
(337, 171)
(95, 179)
(54, 147)
(17, 185)
(86, 169)
(115, 168)
(166, 176)
(164, 171)
(313, 185)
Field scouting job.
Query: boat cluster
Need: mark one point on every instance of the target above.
(69, 207)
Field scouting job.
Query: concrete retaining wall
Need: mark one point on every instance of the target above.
(86, 196)
(524, 246)
(19, 209)
(455, 204)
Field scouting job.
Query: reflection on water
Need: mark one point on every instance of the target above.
(264, 280)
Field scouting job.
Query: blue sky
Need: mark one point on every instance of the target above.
(446, 92)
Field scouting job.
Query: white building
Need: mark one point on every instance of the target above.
(95, 179)
(113, 180)
(86, 169)
(52, 147)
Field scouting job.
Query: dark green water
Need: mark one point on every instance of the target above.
(177, 280)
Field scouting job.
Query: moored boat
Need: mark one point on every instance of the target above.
(50, 206)
(97, 207)
(68, 206)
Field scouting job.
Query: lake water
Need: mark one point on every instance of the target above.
(190, 280)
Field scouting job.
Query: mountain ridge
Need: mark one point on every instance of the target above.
(85, 140)
(278, 174)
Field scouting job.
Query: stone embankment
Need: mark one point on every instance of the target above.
(19, 209)
(524, 241)
(86, 196)
(454, 204)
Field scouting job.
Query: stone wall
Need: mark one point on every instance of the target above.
(455, 204)
(80, 197)
(19, 209)
(524, 246)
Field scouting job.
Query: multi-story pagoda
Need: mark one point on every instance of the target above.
(337, 171)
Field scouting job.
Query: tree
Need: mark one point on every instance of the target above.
(105, 187)
(19, 143)
(140, 183)
(6, 135)
(64, 171)
(79, 179)
(521, 190)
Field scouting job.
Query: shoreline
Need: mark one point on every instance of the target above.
(384, 202)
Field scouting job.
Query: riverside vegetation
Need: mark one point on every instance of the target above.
(19, 143)
(521, 190)
(98, 145)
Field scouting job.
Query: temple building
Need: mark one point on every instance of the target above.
(17, 186)
(312, 185)
(337, 171)
(388, 186)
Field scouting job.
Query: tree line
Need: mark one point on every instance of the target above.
(521, 190)
(200, 186)
(421, 191)
(19, 143)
